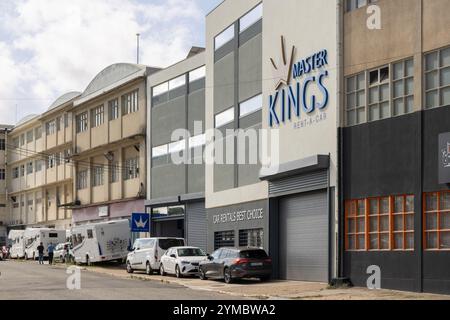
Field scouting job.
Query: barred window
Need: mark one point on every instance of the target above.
(50, 127)
(251, 238)
(131, 168)
(130, 102)
(82, 177)
(437, 221)
(437, 78)
(82, 122)
(113, 106)
(97, 176)
(97, 116)
(223, 239)
(115, 172)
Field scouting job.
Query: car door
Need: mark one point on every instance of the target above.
(136, 261)
(213, 268)
(220, 265)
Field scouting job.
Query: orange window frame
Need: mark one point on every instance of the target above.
(438, 231)
(378, 216)
(355, 216)
(404, 213)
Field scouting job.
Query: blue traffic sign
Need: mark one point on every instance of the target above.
(140, 222)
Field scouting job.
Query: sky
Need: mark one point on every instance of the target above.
(51, 47)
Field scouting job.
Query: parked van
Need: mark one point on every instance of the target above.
(147, 252)
(101, 241)
(15, 239)
(32, 237)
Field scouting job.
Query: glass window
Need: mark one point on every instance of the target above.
(29, 168)
(159, 151)
(224, 117)
(2, 174)
(160, 89)
(190, 252)
(50, 128)
(379, 96)
(82, 177)
(115, 172)
(2, 144)
(251, 105)
(196, 74)
(379, 228)
(38, 165)
(97, 176)
(251, 238)
(38, 133)
(355, 224)
(437, 221)
(177, 82)
(169, 243)
(251, 18)
(97, 116)
(226, 36)
(177, 146)
(30, 136)
(197, 141)
(403, 87)
(168, 211)
(113, 106)
(132, 168)
(356, 99)
(82, 122)
(90, 234)
(130, 102)
(223, 239)
(437, 78)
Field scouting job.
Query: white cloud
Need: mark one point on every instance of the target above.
(49, 47)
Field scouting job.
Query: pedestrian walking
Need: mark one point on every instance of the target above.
(50, 250)
(40, 249)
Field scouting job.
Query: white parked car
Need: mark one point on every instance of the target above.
(182, 261)
(60, 253)
(147, 252)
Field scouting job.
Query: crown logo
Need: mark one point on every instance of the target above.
(282, 70)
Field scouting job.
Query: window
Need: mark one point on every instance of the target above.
(159, 151)
(50, 127)
(355, 4)
(381, 223)
(59, 121)
(97, 176)
(437, 78)
(168, 211)
(29, 167)
(403, 223)
(66, 120)
(51, 161)
(38, 165)
(2, 144)
(403, 87)
(356, 99)
(82, 122)
(251, 238)
(197, 141)
(30, 202)
(82, 180)
(130, 102)
(2, 174)
(38, 133)
(177, 146)
(113, 106)
(226, 36)
(115, 172)
(177, 82)
(251, 18)
(22, 139)
(378, 226)
(90, 234)
(437, 221)
(355, 212)
(197, 74)
(160, 89)
(16, 142)
(379, 94)
(22, 170)
(30, 136)
(15, 172)
(224, 117)
(131, 168)
(97, 116)
(251, 105)
(223, 239)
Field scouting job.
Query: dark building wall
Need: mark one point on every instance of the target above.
(393, 157)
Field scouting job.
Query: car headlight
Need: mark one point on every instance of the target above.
(184, 262)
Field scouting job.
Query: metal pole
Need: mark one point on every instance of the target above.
(137, 48)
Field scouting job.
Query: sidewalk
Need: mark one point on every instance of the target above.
(276, 289)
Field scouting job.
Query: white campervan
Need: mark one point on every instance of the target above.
(15, 238)
(32, 237)
(101, 241)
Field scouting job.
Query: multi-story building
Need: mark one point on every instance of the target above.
(175, 191)
(39, 175)
(4, 214)
(109, 145)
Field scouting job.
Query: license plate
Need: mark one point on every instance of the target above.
(256, 264)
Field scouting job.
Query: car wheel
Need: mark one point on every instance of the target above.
(203, 274)
(227, 276)
(161, 270)
(178, 272)
(148, 269)
(129, 269)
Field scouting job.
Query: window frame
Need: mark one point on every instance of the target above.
(82, 122)
(438, 213)
(437, 69)
(97, 116)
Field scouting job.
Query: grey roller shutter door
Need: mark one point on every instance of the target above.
(196, 225)
(304, 237)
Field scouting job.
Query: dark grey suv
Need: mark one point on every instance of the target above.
(236, 263)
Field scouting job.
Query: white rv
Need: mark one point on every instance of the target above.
(102, 241)
(15, 238)
(32, 237)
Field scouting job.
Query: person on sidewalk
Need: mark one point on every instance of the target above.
(40, 249)
(50, 250)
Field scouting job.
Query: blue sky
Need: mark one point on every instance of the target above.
(50, 47)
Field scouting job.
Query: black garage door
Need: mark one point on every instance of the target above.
(304, 237)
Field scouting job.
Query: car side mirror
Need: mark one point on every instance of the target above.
(173, 256)
(210, 258)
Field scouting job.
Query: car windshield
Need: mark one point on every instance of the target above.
(191, 252)
(253, 254)
(169, 243)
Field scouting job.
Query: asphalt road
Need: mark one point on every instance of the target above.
(31, 281)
